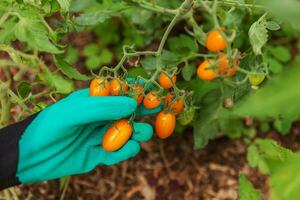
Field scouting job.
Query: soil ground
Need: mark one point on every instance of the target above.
(169, 169)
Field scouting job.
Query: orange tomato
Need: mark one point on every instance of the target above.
(151, 100)
(231, 72)
(206, 73)
(165, 81)
(168, 99)
(117, 135)
(223, 64)
(215, 41)
(99, 87)
(164, 124)
(117, 86)
(138, 93)
(176, 107)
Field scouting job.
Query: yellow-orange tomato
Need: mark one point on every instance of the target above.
(164, 124)
(117, 135)
(138, 93)
(151, 100)
(165, 81)
(215, 41)
(223, 65)
(176, 107)
(99, 87)
(205, 72)
(117, 86)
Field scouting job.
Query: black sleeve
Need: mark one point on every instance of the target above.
(9, 152)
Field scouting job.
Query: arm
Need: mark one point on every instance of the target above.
(65, 139)
(9, 152)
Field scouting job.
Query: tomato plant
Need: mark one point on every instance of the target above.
(203, 58)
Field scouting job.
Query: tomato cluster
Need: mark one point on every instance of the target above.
(214, 68)
(165, 121)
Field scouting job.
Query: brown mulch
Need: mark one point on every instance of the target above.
(169, 169)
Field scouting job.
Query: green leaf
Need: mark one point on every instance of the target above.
(89, 19)
(183, 45)
(72, 55)
(201, 88)
(135, 72)
(58, 83)
(188, 71)
(35, 34)
(68, 70)
(234, 17)
(267, 155)
(281, 53)
(258, 36)
(272, 25)
(274, 66)
(207, 126)
(79, 5)
(91, 50)
(285, 180)
(7, 32)
(287, 11)
(266, 103)
(105, 56)
(149, 63)
(93, 62)
(64, 4)
(247, 190)
(24, 89)
(283, 126)
(233, 128)
(169, 59)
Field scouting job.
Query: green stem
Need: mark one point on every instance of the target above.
(5, 110)
(14, 97)
(4, 18)
(229, 3)
(155, 7)
(167, 32)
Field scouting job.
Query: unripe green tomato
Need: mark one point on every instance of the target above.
(187, 116)
(256, 79)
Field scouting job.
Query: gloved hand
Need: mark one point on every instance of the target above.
(65, 138)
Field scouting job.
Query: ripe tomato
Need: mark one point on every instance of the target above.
(206, 73)
(215, 41)
(256, 79)
(138, 96)
(99, 87)
(151, 100)
(176, 107)
(117, 86)
(168, 99)
(223, 65)
(117, 135)
(164, 124)
(165, 81)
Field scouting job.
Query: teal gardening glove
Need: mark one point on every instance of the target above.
(65, 138)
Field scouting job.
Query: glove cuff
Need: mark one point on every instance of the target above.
(9, 152)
